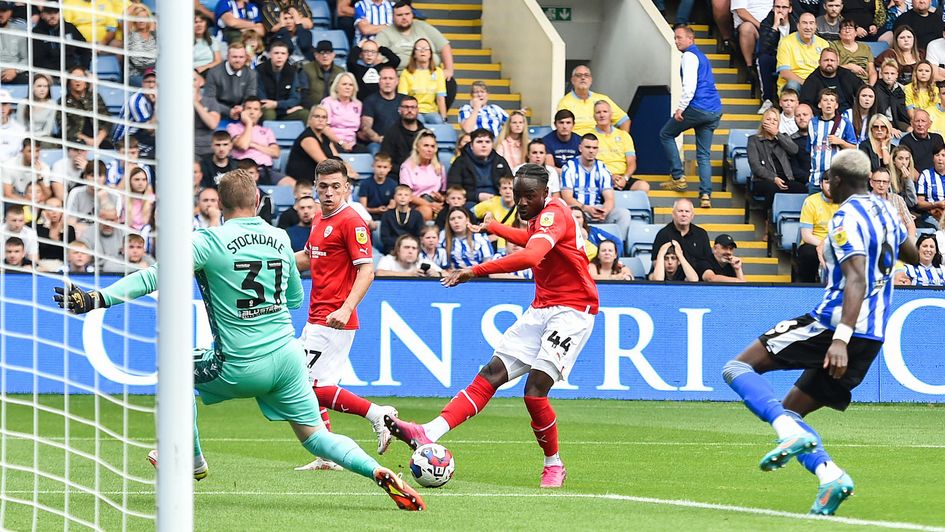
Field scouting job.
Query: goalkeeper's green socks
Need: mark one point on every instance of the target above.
(341, 450)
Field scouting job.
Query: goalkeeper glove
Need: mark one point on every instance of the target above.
(77, 300)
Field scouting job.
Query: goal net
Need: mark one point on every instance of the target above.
(81, 404)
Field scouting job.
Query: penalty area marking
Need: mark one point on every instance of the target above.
(851, 521)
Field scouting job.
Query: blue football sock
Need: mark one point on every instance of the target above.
(754, 390)
(197, 450)
(819, 455)
(341, 450)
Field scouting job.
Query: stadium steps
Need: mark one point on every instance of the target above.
(461, 23)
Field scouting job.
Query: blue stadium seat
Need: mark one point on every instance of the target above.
(286, 131)
(613, 229)
(321, 13)
(114, 98)
(19, 91)
(282, 198)
(640, 238)
(877, 47)
(279, 164)
(635, 201)
(108, 68)
(537, 132)
(446, 159)
(446, 136)
(786, 216)
(339, 41)
(50, 156)
(735, 156)
(56, 92)
(637, 267)
(362, 163)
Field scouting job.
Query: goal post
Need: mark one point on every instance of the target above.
(175, 167)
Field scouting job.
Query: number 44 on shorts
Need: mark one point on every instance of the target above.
(555, 340)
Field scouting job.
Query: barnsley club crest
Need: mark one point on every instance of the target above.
(327, 232)
(360, 234)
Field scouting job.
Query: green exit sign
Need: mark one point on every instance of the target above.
(558, 14)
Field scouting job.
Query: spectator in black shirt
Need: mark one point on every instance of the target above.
(722, 266)
(220, 162)
(800, 161)
(280, 86)
(47, 53)
(926, 25)
(398, 139)
(365, 61)
(829, 75)
(921, 142)
(381, 109)
(693, 239)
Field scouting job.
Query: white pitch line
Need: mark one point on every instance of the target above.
(289, 440)
(852, 521)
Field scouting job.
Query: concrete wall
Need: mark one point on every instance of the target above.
(580, 34)
(508, 28)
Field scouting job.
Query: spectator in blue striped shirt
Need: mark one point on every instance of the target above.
(128, 154)
(479, 113)
(929, 271)
(371, 17)
(463, 247)
(930, 188)
(234, 16)
(586, 183)
(430, 249)
(139, 109)
(829, 133)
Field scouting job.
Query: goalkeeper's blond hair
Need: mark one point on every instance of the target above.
(237, 191)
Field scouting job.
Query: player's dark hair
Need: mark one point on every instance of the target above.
(533, 171)
(481, 132)
(937, 257)
(237, 191)
(386, 66)
(331, 166)
(589, 136)
(564, 113)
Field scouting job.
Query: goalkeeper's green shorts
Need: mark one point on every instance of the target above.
(278, 382)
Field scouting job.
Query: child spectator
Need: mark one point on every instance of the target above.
(538, 154)
(377, 194)
(425, 176)
(562, 144)
(463, 247)
(264, 210)
(891, 97)
(479, 113)
(214, 166)
(128, 153)
(479, 168)
(400, 220)
(38, 115)
(140, 201)
(788, 104)
(512, 143)
(499, 206)
(455, 197)
(426, 82)
(84, 200)
(256, 142)
(290, 217)
(79, 260)
(670, 266)
(430, 249)
(405, 261)
(922, 92)
(298, 37)
(14, 255)
(280, 85)
(606, 265)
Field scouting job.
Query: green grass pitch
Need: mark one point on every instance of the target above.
(631, 465)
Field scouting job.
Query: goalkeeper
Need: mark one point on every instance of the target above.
(248, 278)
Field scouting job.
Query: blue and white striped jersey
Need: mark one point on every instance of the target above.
(491, 117)
(465, 256)
(138, 109)
(587, 185)
(821, 152)
(931, 185)
(521, 274)
(926, 275)
(438, 257)
(869, 226)
(114, 173)
(376, 14)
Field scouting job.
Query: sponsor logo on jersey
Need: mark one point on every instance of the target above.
(327, 231)
(360, 234)
(547, 218)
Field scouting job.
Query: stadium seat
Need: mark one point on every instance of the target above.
(286, 131)
(114, 99)
(363, 163)
(877, 47)
(637, 267)
(279, 164)
(924, 231)
(786, 216)
(339, 41)
(321, 13)
(108, 68)
(446, 159)
(537, 132)
(446, 137)
(635, 201)
(282, 198)
(640, 238)
(51, 155)
(613, 229)
(19, 91)
(735, 157)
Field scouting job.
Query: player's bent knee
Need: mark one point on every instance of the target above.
(734, 368)
(539, 383)
(496, 372)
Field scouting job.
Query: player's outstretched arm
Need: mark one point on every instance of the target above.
(535, 250)
(517, 236)
(133, 286)
(854, 292)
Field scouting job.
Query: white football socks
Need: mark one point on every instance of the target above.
(436, 428)
(786, 426)
(553, 460)
(828, 472)
(374, 413)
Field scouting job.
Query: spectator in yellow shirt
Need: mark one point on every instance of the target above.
(816, 213)
(616, 150)
(499, 206)
(97, 20)
(425, 81)
(799, 53)
(580, 101)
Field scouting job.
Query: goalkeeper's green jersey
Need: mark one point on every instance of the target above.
(248, 278)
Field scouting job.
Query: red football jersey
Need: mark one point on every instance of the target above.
(337, 245)
(562, 278)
